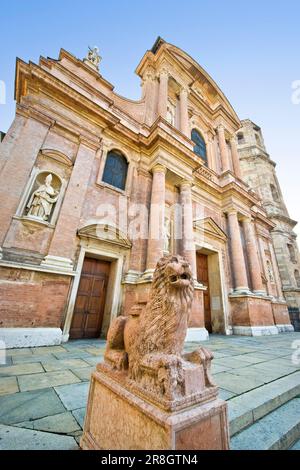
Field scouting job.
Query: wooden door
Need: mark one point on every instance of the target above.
(90, 301)
(202, 277)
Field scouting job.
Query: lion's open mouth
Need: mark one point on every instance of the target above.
(180, 279)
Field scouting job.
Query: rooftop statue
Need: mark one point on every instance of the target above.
(93, 57)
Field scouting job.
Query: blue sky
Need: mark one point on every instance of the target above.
(250, 49)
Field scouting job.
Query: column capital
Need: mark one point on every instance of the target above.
(186, 183)
(246, 219)
(231, 211)
(149, 75)
(184, 90)
(159, 168)
(220, 127)
(163, 72)
(232, 138)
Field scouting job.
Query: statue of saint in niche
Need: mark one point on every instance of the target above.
(42, 200)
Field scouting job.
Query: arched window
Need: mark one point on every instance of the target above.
(200, 146)
(241, 138)
(115, 170)
(274, 192)
(297, 277)
(292, 253)
(257, 138)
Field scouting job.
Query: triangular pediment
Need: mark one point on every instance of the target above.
(210, 227)
(105, 233)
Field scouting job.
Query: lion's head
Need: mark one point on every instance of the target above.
(164, 322)
(173, 274)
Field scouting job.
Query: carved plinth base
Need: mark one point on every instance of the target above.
(118, 419)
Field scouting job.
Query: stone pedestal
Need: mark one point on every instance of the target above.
(281, 316)
(252, 315)
(120, 419)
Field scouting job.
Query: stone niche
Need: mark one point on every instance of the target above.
(43, 196)
(148, 394)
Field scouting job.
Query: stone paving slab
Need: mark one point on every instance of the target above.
(33, 358)
(48, 349)
(73, 396)
(236, 384)
(21, 369)
(271, 366)
(46, 380)
(79, 415)
(19, 352)
(217, 368)
(225, 394)
(93, 360)
(230, 362)
(72, 355)
(296, 446)
(62, 423)
(8, 385)
(95, 351)
(29, 405)
(14, 438)
(254, 358)
(84, 373)
(64, 364)
(264, 375)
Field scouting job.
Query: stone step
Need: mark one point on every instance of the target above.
(246, 409)
(279, 430)
(296, 446)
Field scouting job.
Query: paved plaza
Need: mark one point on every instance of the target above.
(43, 390)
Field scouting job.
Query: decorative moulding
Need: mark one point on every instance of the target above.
(58, 156)
(33, 221)
(106, 233)
(210, 227)
(58, 262)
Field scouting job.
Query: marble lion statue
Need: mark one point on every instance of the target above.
(152, 337)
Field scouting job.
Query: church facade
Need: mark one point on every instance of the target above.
(96, 188)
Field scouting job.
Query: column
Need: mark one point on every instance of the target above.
(264, 263)
(163, 93)
(155, 247)
(237, 255)
(252, 255)
(184, 115)
(188, 243)
(223, 148)
(211, 153)
(235, 157)
(276, 272)
(149, 94)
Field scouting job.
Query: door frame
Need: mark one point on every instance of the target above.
(113, 292)
(208, 249)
